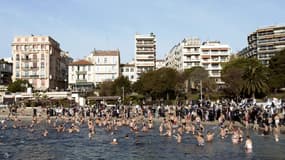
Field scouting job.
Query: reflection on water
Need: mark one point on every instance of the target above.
(21, 144)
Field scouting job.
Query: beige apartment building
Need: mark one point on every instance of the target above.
(145, 53)
(38, 59)
(264, 43)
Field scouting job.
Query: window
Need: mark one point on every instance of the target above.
(17, 74)
(26, 74)
(42, 57)
(105, 60)
(35, 65)
(17, 65)
(17, 57)
(132, 70)
(89, 68)
(132, 77)
(42, 74)
(42, 64)
(127, 69)
(122, 69)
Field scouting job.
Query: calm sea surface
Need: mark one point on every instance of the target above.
(21, 144)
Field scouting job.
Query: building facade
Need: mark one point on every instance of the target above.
(213, 55)
(145, 53)
(80, 76)
(129, 70)
(38, 60)
(192, 53)
(106, 65)
(159, 63)
(264, 43)
(5, 72)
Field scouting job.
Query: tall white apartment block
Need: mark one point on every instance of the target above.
(106, 65)
(145, 53)
(191, 52)
(213, 54)
(38, 60)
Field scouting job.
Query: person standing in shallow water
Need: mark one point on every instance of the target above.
(248, 145)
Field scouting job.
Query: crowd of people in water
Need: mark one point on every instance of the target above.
(173, 121)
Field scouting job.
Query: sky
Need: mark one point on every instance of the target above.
(81, 26)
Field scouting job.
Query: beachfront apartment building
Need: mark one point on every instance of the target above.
(191, 52)
(106, 65)
(145, 53)
(80, 76)
(38, 59)
(129, 70)
(264, 43)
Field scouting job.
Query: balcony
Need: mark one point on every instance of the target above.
(146, 57)
(25, 68)
(34, 76)
(145, 44)
(145, 51)
(26, 59)
(81, 72)
(192, 60)
(81, 81)
(34, 68)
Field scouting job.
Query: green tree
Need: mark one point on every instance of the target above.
(231, 74)
(245, 76)
(122, 84)
(106, 89)
(19, 85)
(277, 71)
(255, 78)
(157, 84)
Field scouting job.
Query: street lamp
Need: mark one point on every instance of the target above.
(201, 92)
(123, 88)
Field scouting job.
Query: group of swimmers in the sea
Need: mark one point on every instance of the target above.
(170, 126)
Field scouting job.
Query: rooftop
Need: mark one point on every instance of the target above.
(80, 62)
(106, 53)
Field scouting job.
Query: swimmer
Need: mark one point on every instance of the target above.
(45, 133)
(210, 136)
(144, 129)
(223, 133)
(200, 140)
(161, 128)
(276, 132)
(114, 141)
(127, 136)
(179, 138)
(248, 144)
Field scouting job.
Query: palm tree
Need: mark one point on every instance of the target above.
(255, 78)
